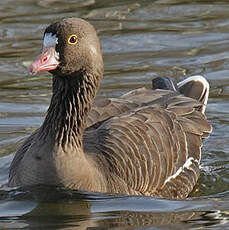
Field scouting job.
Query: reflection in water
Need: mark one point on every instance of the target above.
(70, 220)
(140, 39)
(50, 207)
(66, 216)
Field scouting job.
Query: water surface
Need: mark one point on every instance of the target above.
(140, 39)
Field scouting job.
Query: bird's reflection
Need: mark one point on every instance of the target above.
(57, 208)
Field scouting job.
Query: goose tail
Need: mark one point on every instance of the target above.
(196, 87)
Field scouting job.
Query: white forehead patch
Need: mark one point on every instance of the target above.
(50, 40)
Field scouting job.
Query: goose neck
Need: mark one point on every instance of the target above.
(68, 111)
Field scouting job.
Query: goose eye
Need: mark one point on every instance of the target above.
(72, 40)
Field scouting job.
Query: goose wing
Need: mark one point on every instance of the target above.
(103, 109)
(195, 87)
(151, 150)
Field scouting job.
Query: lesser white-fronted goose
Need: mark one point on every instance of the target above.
(147, 142)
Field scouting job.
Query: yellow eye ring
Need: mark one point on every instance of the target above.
(73, 39)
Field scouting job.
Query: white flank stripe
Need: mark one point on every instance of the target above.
(50, 40)
(187, 165)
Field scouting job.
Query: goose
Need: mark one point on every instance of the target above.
(146, 142)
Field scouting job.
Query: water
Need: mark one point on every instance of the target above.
(140, 39)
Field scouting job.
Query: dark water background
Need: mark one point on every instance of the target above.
(140, 39)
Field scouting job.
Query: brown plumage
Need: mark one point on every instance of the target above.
(147, 142)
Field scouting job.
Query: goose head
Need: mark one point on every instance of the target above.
(70, 45)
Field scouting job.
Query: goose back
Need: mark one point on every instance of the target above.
(152, 149)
